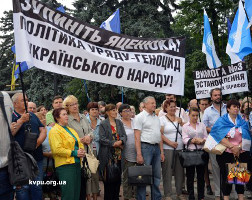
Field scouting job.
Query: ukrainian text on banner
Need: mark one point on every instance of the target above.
(233, 77)
(53, 41)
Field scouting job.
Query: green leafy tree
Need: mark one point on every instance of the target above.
(6, 55)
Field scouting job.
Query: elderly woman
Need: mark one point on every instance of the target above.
(81, 125)
(129, 192)
(67, 151)
(196, 131)
(94, 121)
(112, 140)
(233, 132)
(172, 141)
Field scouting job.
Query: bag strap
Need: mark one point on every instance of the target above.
(177, 127)
(189, 141)
(5, 116)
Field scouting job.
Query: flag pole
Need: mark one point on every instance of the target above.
(22, 86)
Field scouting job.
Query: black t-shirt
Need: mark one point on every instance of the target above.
(20, 135)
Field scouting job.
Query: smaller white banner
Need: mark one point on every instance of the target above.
(231, 79)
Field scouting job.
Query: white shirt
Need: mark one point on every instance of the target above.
(170, 133)
(129, 149)
(149, 125)
(4, 133)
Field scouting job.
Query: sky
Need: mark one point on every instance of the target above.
(7, 5)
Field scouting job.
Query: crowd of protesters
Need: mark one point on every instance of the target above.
(154, 136)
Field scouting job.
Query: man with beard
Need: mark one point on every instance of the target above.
(211, 115)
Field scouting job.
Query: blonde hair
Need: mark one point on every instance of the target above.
(68, 100)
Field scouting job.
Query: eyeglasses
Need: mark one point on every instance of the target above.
(73, 104)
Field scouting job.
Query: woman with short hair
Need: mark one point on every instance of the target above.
(112, 140)
(81, 125)
(68, 152)
(233, 132)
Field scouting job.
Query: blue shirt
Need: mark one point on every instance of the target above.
(20, 135)
(211, 115)
(96, 134)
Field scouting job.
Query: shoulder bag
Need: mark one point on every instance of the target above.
(93, 163)
(190, 158)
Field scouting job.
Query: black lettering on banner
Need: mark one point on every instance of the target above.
(177, 65)
(53, 57)
(104, 68)
(22, 23)
(63, 38)
(30, 26)
(48, 32)
(75, 66)
(131, 74)
(164, 62)
(111, 69)
(71, 41)
(138, 76)
(80, 45)
(35, 52)
(92, 48)
(43, 27)
(99, 50)
(137, 57)
(95, 67)
(145, 59)
(44, 52)
(159, 81)
(125, 55)
(55, 31)
(118, 56)
(85, 66)
(61, 57)
(152, 78)
(108, 53)
(119, 72)
(152, 59)
(145, 76)
(159, 60)
(30, 47)
(67, 61)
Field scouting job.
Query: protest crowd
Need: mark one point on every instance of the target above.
(113, 150)
(68, 142)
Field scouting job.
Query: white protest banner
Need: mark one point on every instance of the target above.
(233, 77)
(55, 42)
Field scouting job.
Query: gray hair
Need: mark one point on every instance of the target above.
(146, 99)
(15, 97)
